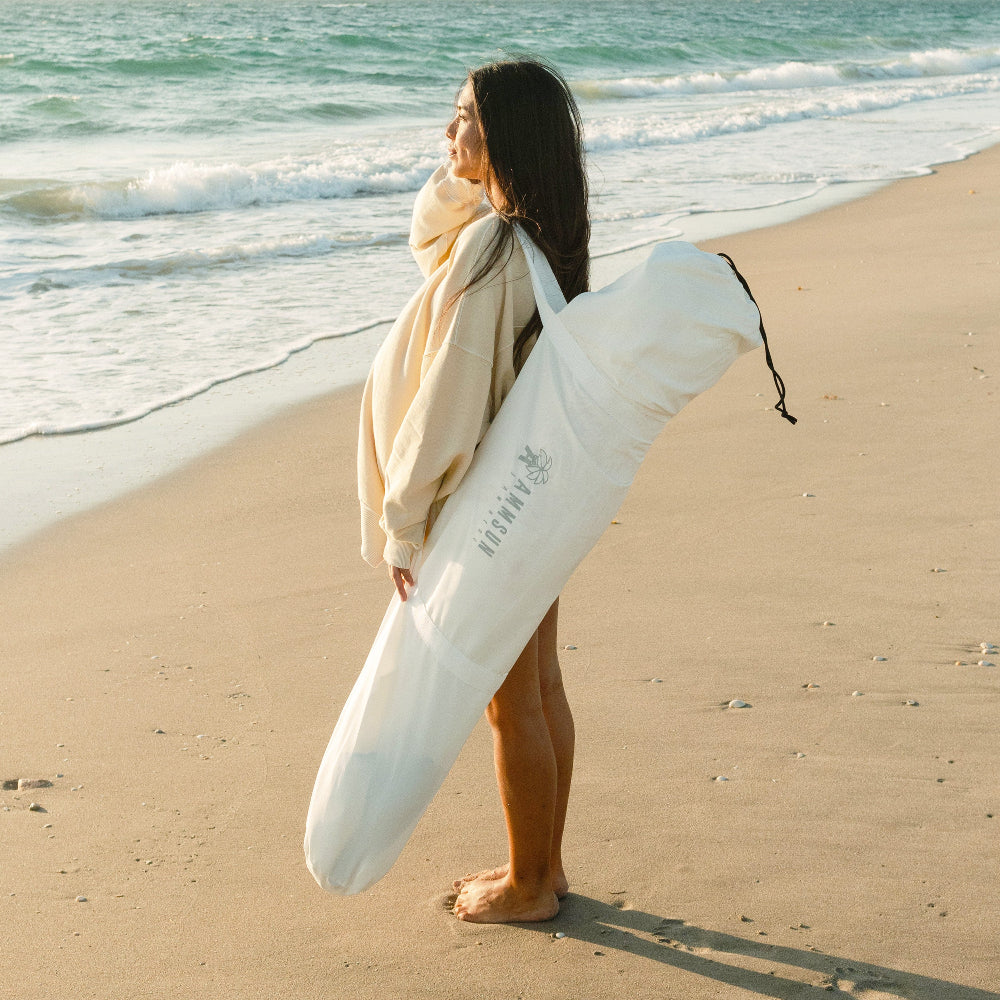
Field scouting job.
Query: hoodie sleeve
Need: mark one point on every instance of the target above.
(451, 409)
(443, 207)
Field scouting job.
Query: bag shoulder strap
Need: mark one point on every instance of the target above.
(550, 301)
(548, 295)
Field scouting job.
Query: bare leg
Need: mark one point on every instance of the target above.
(533, 749)
(559, 721)
(562, 733)
(526, 776)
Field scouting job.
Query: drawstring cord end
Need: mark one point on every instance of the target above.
(780, 407)
(778, 382)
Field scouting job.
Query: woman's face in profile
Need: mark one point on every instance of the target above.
(465, 140)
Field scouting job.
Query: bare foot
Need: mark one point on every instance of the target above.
(496, 901)
(560, 884)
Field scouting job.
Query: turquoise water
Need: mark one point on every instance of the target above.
(190, 191)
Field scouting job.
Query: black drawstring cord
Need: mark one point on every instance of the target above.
(778, 382)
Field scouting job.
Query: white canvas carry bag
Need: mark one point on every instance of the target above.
(607, 372)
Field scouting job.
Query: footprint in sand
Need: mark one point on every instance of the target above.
(863, 985)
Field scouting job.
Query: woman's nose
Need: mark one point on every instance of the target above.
(452, 130)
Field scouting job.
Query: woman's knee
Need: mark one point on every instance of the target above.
(519, 696)
(516, 721)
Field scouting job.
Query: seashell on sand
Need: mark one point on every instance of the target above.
(23, 783)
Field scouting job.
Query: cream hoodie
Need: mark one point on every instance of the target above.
(441, 374)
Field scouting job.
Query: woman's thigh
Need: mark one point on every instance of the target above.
(533, 677)
(549, 674)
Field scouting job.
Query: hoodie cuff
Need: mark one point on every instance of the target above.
(400, 554)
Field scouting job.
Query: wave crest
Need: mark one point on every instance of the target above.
(662, 130)
(187, 187)
(136, 269)
(800, 75)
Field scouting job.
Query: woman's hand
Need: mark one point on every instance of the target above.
(401, 578)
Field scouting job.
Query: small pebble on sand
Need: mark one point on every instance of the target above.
(960, 663)
(857, 694)
(559, 934)
(986, 663)
(911, 703)
(879, 659)
(36, 808)
(828, 624)
(721, 777)
(737, 703)
(656, 680)
(569, 647)
(938, 569)
(81, 899)
(811, 687)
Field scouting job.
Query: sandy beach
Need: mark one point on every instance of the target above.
(175, 660)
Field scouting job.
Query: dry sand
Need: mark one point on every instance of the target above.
(174, 663)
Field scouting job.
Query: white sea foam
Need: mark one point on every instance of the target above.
(197, 187)
(607, 134)
(190, 262)
(795, 75)
(188, 392)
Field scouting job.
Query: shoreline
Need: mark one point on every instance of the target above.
(177, 659)
(63, 474)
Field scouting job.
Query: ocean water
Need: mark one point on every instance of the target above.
(193, 191)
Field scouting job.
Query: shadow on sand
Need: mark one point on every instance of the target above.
(788, 971)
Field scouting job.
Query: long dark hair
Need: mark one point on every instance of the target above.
(533, 136)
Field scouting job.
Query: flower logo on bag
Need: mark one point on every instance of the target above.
(537, 465)
(511, 499)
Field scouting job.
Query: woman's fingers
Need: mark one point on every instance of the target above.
(401, 578)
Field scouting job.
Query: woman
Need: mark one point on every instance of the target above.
(434, 389)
